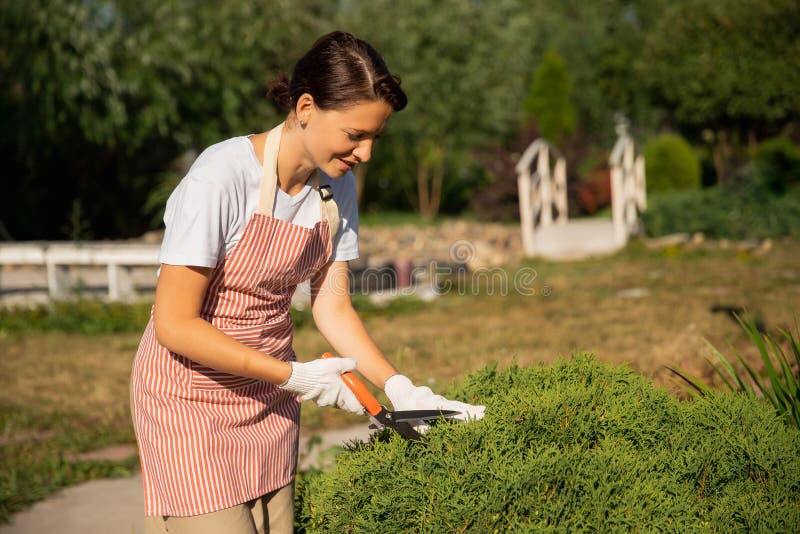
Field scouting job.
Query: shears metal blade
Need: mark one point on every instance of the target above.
(398, 421)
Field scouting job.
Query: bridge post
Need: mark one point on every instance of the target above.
(628, 195)
(545, 186)
(526, 211)
(560, 190)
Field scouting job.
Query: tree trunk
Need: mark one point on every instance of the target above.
(721, 153)
(422, 189)
(429, 188)
(436, 189)
(360, 172)
(430, 177)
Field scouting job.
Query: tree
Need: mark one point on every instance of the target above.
(601, 42)
(464, 66)
(105, 95)
(549, 100)
(729, 67)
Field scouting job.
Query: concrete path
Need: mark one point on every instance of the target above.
(116, 506)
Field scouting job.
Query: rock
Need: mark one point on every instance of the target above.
(477, 244)
(667, 240)
(633, 293)
(697, 238)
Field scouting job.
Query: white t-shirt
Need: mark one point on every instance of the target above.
(209, 210)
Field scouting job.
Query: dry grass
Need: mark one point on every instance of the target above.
(645, 308)
(68, 373)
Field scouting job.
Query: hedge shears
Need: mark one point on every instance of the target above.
(383, 418)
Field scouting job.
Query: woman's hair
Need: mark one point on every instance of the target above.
(339, 71)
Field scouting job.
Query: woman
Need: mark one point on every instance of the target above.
(215, 385)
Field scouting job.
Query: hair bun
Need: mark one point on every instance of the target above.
(279, 92)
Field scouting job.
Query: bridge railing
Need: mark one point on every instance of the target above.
(542, 190)
(628, 187)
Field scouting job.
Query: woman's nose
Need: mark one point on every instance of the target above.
(364, 150)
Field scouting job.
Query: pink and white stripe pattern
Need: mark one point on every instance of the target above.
(209, 440)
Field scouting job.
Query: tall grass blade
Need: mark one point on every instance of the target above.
(695, 385)
(726, 365)
(786, 368)
(779, 384)
(794, 344)
(758, 340)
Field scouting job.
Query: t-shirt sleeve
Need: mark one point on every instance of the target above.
(197, 217)
(345, 243)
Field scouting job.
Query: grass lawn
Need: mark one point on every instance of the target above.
(67, 393)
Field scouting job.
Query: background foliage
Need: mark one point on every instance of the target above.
(110, 100)
(572, 447)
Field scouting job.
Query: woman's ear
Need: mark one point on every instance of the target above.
(304, 108)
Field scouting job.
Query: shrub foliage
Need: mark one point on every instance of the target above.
(574, 446)
(777, 161)
(671, 164)
(751, 212)
(85, 316)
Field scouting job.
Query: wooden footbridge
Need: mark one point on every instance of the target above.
(546, 229)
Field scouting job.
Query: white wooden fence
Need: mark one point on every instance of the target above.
(58, 257)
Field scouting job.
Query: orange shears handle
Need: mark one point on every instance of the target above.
(358, 388)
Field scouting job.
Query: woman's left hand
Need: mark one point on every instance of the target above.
(406, 396)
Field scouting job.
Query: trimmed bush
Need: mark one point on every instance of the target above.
(777, 162)
(575, 446)
(670, 164)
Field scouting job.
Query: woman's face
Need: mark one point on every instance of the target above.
(337, 140)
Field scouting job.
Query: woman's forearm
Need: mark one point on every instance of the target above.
(179, 327)
(203, 343)
(342, 327)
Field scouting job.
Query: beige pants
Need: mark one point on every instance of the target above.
(273, 513)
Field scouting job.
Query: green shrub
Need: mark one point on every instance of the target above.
(720, 212)
(80, 316)
(777, 163)
(576, 446)
(670, 164)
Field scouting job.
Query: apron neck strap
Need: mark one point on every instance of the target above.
(269, 179)
(329, 211)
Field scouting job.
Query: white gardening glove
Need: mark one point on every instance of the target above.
(320, 381)
(406, 396)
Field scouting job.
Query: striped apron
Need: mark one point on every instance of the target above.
(209, 440)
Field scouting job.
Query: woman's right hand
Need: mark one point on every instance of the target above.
(320, 380)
